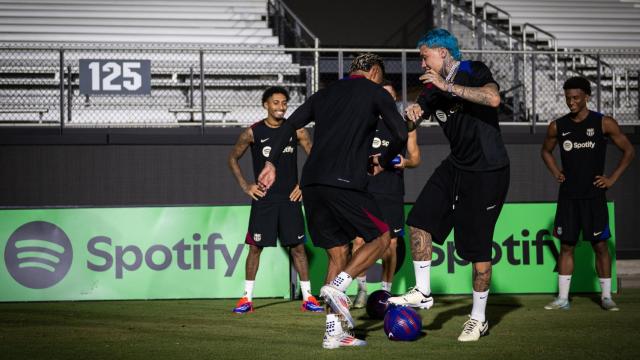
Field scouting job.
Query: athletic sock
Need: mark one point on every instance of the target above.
(248, 289)
(605, 288)
(333, 325)
(479, 305)
(305, 288)
(564, 284)
(386, 286)
(342, 281)
(422, 270)
(362, 283)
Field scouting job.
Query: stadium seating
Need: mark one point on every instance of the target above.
(158, 30)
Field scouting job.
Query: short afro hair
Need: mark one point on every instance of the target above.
(274, 90)
(578, 82)
(366, 61)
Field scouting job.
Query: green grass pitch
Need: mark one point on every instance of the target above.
(206, 329)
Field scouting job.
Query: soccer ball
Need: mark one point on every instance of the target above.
(402, 323)
(377, 304)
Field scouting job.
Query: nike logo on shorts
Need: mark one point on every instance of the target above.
(263, 140)
(566, 133)
(397, 230)
(597, 233)
(300, 237)
(491, 207)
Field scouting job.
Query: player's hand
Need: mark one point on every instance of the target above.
(267, 176)
(414, 112)
(431, 76)
(603, 182)
(254, 191)
(296, 194)
(560, 177)
(374, 165)
(402, 164)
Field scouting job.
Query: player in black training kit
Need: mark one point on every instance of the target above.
(388, 190)
(278, 213)
(582, 205)
(467, 191)
(334, 179)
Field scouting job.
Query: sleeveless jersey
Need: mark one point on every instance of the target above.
(287, 168)
(583, 149)
(389, 181)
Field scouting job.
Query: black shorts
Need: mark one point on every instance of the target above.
(271, 220)
(589, 215)
(468, 202)
(335, 216)
(392, 207)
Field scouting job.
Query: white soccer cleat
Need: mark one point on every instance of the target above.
(609, 305)
(344, 339)
(558, 304)
(360, 300)
(473, 329)
(413, 298)
(339, 302)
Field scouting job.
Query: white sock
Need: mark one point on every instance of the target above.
(605, 288)
(333, 325)
(564, 284)
(362, 283)
(479, 305)
(248, 289)
(422, 269)
(386, 286)
(342, 281)
(305, 288)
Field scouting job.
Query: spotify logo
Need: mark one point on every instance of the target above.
(38, 255)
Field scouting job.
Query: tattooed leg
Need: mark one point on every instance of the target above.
(481, 276)
(421, 245)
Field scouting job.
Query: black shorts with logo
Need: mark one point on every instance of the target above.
(392, 207)
(272, 220)
(469, 202)
(335, 216)
(587, 215)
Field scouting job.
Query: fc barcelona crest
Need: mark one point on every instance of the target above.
(590, 132)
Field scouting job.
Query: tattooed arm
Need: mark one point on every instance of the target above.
(244, 140)
(487, 95)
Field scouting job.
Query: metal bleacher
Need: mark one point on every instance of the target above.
(598, 39)
(173, 35)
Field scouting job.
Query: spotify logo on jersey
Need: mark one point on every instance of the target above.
(38, 255)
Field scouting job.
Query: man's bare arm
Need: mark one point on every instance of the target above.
(610, 128)
(304, 140)
(487, 95)
(242, 144)
(546, 152)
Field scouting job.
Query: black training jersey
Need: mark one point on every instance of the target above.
(583, 148)
(287, 168)
(472, 129)
(389, 181)
(346, 114)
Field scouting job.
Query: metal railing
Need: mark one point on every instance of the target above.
(222, 87)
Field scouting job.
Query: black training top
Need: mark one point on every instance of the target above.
(583, 148)
(346, 114)
(287, 168)
(472, 129)
(389, 181)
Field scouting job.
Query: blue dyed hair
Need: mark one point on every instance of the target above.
(441, 38)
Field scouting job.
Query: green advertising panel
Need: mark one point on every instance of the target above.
(132, 253)
(524, 257)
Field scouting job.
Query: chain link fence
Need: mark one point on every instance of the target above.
(223, 86)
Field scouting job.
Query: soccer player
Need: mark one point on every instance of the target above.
(388, 190)
(278, 212)
(582, 205)
(467, 190)
(334, 180)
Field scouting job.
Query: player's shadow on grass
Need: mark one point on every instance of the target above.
(271, 304)
(594, 297)
(497, 308)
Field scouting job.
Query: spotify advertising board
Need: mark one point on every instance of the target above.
(524, 260)
(132, 253)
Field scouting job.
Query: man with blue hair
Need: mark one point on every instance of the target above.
(467, 191)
